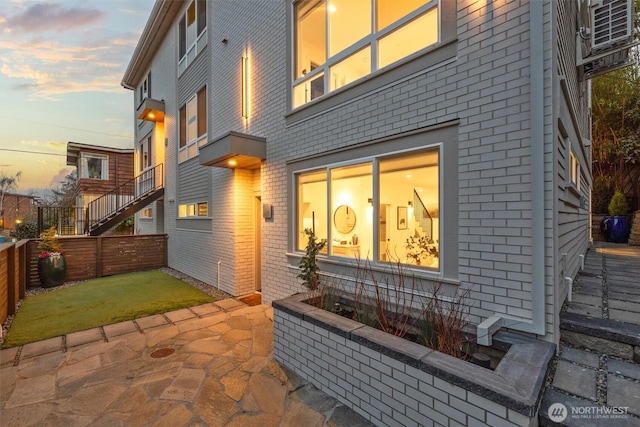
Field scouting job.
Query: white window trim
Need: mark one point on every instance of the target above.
(197, 46)
(369, 40)
(195, 209)
(198, 141)
(84, 166)
(575, 171)
(374, 160)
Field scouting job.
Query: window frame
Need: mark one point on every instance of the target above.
(376, 177)
(189, 148)
(144, 90)
(146, 213)
(190, 53)
(196, 210)
(143, 166)
(369, 41)
(575, 171)
(104, 167)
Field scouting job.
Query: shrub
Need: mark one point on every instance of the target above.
(308, 264)
(618, 205)
(603, 190)
(26, 230)
(49, 242)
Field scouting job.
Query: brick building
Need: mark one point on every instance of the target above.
(17, 208)
(462, 122)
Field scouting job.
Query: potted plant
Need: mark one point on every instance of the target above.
(616, 227)
(421, 248)
(52, 267)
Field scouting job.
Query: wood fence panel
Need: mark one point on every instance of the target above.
(4, 281)
(13, 291)
(80, 256)
(22, 247)
(88, 257)
(124, 254)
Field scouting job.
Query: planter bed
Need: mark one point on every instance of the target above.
(392, 381)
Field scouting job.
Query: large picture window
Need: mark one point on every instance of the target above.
(193, 125)
(192, 33)
(398, 222)
(340, 41)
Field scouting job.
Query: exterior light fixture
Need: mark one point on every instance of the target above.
(245, 87)
(232, 163)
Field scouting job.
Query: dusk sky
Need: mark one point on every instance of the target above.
(61, 64)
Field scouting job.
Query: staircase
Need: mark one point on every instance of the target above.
(117, 205)
(422, 216)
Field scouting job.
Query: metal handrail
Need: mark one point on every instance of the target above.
(425, 220)
(124, 196)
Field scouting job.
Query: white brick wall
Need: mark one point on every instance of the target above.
(484, 87)
(384, 390)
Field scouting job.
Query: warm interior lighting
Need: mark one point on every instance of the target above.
(245, 87)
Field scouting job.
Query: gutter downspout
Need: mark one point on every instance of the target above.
(536, 95)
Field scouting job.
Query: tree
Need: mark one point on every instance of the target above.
(65, 195)
(7, 184)
(616, 127)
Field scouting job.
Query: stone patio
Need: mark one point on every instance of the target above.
(209, 365)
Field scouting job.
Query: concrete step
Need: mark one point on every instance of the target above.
(613, 337)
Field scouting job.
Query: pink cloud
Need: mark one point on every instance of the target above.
(41, 17)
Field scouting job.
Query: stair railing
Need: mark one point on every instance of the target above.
(123, 196)
(422, 216)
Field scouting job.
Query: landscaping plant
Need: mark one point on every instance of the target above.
(308, 263)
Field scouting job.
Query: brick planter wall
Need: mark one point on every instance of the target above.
(392, 381)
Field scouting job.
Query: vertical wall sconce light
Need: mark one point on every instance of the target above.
(245, 87)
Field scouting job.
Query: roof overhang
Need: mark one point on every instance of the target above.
(151, 110)
(160, 21)
(75, 148)
(234, 150)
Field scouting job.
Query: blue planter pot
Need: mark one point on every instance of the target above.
(52, 271)
(605, 227)
(618, 229)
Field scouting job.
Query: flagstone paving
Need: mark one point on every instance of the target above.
(209, 365)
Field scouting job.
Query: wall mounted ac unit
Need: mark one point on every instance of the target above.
(612, 23)
(604, 37)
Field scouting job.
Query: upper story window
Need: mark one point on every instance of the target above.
(144, 153)
(193, 125)
(94, 166)
(144, 91)
(385, 208)
(192, 33)
(340, 41)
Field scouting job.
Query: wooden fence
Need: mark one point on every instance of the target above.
(86, 258)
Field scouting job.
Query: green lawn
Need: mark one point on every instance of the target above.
(100, 302)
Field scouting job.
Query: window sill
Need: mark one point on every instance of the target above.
(418, 273)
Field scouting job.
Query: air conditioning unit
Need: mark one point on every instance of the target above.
(612, 23)
(604, 37)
